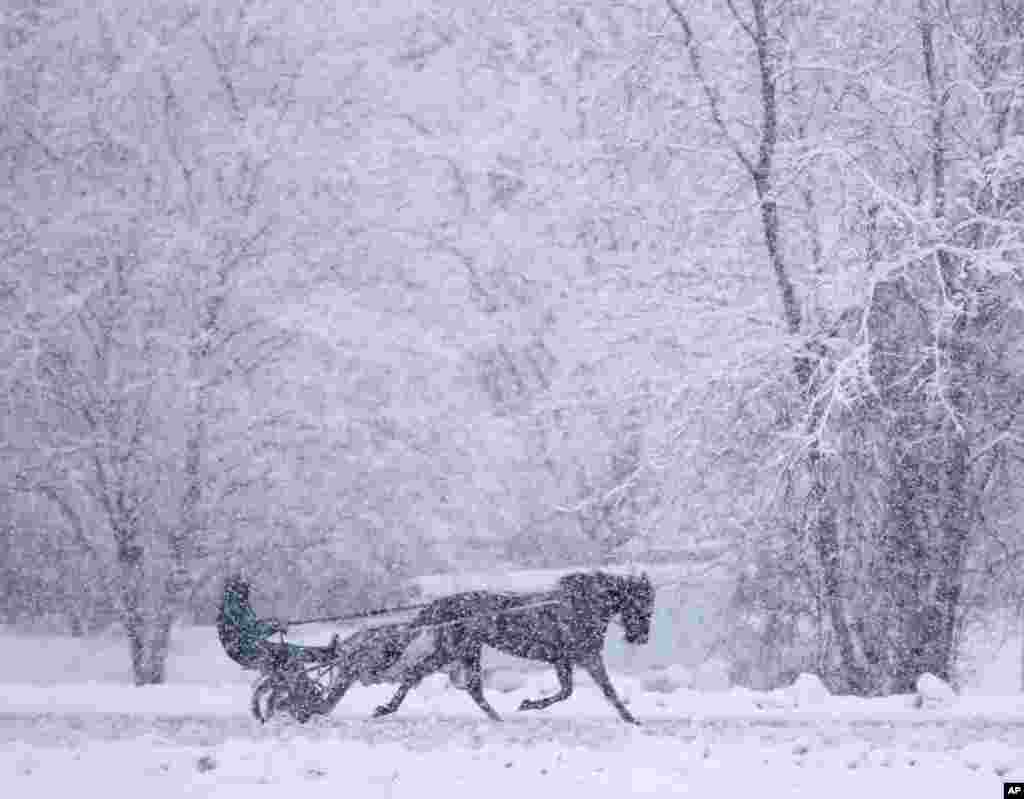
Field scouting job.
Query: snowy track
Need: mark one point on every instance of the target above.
(159, 757)
(424, 734)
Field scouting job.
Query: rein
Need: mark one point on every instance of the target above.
(366, 614)
(469, 619)
(385, 611)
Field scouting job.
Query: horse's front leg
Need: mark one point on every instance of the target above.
(595, 667)
(564, 671)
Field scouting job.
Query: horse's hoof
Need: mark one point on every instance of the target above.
(381, 710)
(526, 704)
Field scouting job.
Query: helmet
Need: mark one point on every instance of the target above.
(236, 583)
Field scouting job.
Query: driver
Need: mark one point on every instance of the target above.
(241, 631)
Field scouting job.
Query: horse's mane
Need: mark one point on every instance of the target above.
(599, 577)
(603, 586)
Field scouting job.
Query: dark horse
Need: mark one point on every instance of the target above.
(565, 627)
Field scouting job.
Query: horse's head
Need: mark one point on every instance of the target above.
(636, 608)
(601, 595)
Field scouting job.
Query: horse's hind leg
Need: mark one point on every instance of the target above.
(595, 666)
(564, 671)
(335, 695)
(396, 701)
(430, 665)
(475, 684)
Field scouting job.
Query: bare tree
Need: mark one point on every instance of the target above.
(135, 383)
(892, 374)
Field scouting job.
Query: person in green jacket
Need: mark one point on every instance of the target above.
(242, 633)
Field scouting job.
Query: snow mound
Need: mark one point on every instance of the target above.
(712, 675)
(933, 693)
(808, 689)
(668, 680)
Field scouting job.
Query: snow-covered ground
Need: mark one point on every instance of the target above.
(534, 759)
(70, 719)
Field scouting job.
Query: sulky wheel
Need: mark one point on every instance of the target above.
(268, 696)
(305, 701)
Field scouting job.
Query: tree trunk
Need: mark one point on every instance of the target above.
(159, 647)
(827, 548)
(955, 534)
(133, 613)
(904, 544)
(184, 538)
(135, 626)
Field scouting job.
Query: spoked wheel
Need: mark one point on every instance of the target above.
(313, 696)
(269, 695)
(309, 696)
(302, 698)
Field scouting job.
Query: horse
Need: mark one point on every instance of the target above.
(565, 627)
